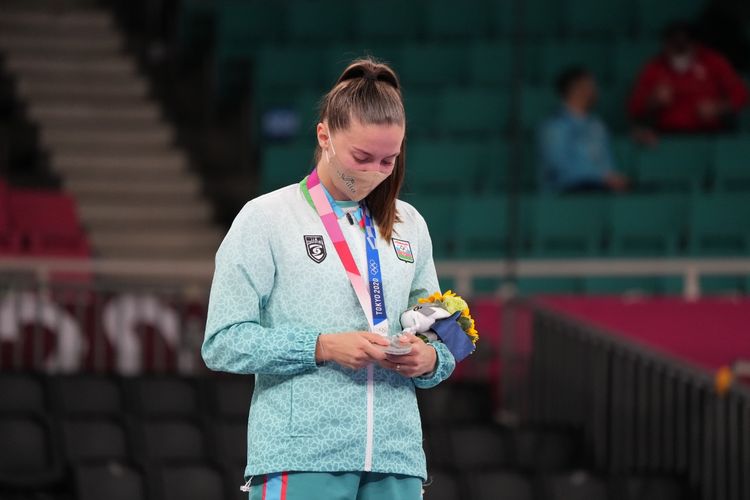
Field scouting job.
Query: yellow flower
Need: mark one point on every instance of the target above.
(453, 303)
(437, 296)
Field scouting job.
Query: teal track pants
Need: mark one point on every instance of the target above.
(335, 486)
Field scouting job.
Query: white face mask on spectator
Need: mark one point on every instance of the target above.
(681, 63)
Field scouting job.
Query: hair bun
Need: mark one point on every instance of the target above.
(370, 69)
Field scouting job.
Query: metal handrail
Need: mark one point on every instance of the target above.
(463, 271)
(640, 409)
(628, 344)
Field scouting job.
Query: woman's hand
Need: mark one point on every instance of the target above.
(421, 359)
(354, 350)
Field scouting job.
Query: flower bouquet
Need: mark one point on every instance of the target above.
(443, 316)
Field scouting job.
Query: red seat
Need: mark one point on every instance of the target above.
(10, 240)
(49, 222)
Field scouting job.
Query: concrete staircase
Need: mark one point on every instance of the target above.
(106, 137)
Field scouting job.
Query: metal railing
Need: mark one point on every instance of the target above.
(689, 269)
(639, 410)
(37, 298)
(62, 316)
(199, 272)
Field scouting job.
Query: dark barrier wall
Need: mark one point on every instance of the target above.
(640, 411)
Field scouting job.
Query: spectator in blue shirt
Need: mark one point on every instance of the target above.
(573, 144)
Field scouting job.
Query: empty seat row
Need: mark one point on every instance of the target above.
(240, 26)
(129, 481)
(632, 285)
(435, 112)
(480, 165)
(575, 484)
(248, 20)
(40, 222)
(143, 440)
(39, 452)
(186, 481)
(589, 225)
(475, 63)
(479, 447)
(34, 441)
(459, 112)
(222, 396)
(158, 396)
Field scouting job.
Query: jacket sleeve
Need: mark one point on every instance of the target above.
(731, 83)
(559, 163)
(425, 283)
(236, 340)
(638, 104)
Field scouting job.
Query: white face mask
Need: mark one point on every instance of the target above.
(356, 184)
(681, 63)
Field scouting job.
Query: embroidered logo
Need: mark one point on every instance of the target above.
(316, 247)
(403, 250)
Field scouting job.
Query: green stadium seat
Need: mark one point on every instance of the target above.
(388, 20)
(494, 170)
(440, 214)
(495, 177)
(285, 67)
(674, 165)
(541, 18)
(529, 166)
(549, 285)
(285, 164)
(744, 118)
(630, 56)
(443, 167)
(719, 225)
(319, 20)
(490, 63)
(446, 19)
(241, 29)
(647, 225)
(589, 17)
(446, 283)
(338, 56)
(724, 285)
(623, 150)
(617, 285)
(421, 112)
(465, 111)
(643, 226)
(486, 286)
(527, 207)
(568, 226)
(483, 232)
(537, 103)
(732, 164)
(611, 106)
(425, 65)
(555, 56)
(651, 16)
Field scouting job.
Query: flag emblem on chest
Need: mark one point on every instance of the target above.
(403, 250)
(316, 247)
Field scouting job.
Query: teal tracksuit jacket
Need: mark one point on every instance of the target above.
(269, 301)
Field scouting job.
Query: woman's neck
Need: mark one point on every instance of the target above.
(325, 178)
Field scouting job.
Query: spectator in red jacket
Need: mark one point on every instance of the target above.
(688, 88)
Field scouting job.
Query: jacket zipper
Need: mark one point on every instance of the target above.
(370, 417)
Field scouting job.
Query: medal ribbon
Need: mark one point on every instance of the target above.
(372, 300)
